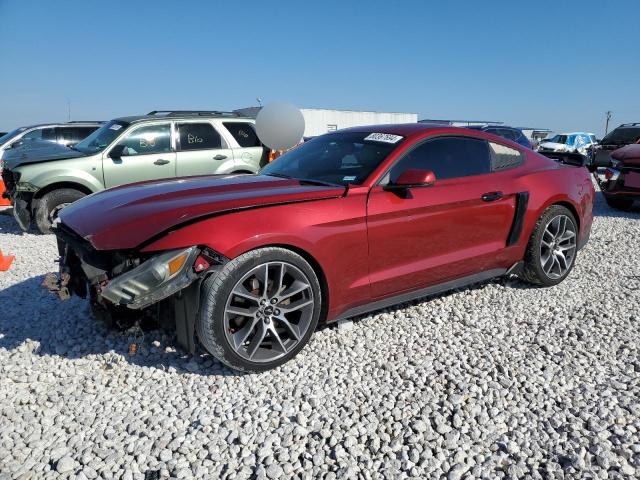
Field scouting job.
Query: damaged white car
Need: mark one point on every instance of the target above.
(576, 142)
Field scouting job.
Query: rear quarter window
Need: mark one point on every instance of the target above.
(503, 157)
(198, 136)
(244, 133)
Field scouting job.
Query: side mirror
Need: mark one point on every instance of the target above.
(414, 177)
(117, 151)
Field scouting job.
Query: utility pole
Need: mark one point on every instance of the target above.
(606, 127)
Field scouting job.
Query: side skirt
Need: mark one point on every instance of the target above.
(423, 292)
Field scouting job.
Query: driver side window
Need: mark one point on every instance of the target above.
(147, 140)
(446, 157)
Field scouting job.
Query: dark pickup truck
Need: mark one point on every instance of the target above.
(620, 181)
(625, 134)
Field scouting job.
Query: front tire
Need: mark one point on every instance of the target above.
(51, 203)
(552, 248)
(260, 310)
(624, 204)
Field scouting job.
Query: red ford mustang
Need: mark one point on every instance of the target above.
(349, 222)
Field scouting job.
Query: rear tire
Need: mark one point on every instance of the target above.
(51, 203)
(253, 328)
(552, 248)
(619, 203)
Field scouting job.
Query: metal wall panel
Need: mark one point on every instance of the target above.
(319, 121)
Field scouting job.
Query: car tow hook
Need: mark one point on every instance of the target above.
(57, 285)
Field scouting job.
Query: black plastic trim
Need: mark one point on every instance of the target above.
(186, 305)
(423, 292)
(522, 201)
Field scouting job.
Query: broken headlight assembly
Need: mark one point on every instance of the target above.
(156, 279)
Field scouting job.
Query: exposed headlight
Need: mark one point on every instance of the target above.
(24, 186)
(157, 278)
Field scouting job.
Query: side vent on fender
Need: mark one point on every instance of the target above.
(522, 200)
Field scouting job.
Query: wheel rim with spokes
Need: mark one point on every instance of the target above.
(558, 246)
(269, 311)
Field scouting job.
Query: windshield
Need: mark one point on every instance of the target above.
(339, 158)
(557, 139)
(101, 138)
(8, 136)
(623, 135)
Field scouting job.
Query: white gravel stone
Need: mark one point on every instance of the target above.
(494, 381)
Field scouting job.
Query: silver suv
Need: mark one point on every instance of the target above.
(161, 144)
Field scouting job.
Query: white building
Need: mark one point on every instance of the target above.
(322, 120)
(460, 123)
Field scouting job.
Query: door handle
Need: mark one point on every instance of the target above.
(491, 196)
(160, 161)
(219, 157)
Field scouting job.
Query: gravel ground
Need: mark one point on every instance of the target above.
(495, 381)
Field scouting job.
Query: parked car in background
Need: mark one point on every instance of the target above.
(67, 134)
(126, 150)
(23, 138)
(514, 134)
(348, 222)
(620, 181)
(625, 134)
(576, 142)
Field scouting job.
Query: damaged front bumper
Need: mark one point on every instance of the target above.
(22, 209)
(125, 285)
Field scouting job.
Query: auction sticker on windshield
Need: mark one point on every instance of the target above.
(115, 126)
(383, 137)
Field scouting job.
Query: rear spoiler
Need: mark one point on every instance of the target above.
(570, 158)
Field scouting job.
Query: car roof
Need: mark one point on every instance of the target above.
(403, 129)
(181, 115)
(411, 129)
(64, 124)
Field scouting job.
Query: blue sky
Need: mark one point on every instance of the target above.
(550, 64)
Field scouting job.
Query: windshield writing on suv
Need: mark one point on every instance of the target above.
(101, 138)
(340, 158)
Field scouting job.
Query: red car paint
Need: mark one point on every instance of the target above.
(131, 214)
(626, 185)
(366, 243)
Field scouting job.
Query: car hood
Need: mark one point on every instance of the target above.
(36, 152)
(556, 147)
(629, 155)
(125, 217)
